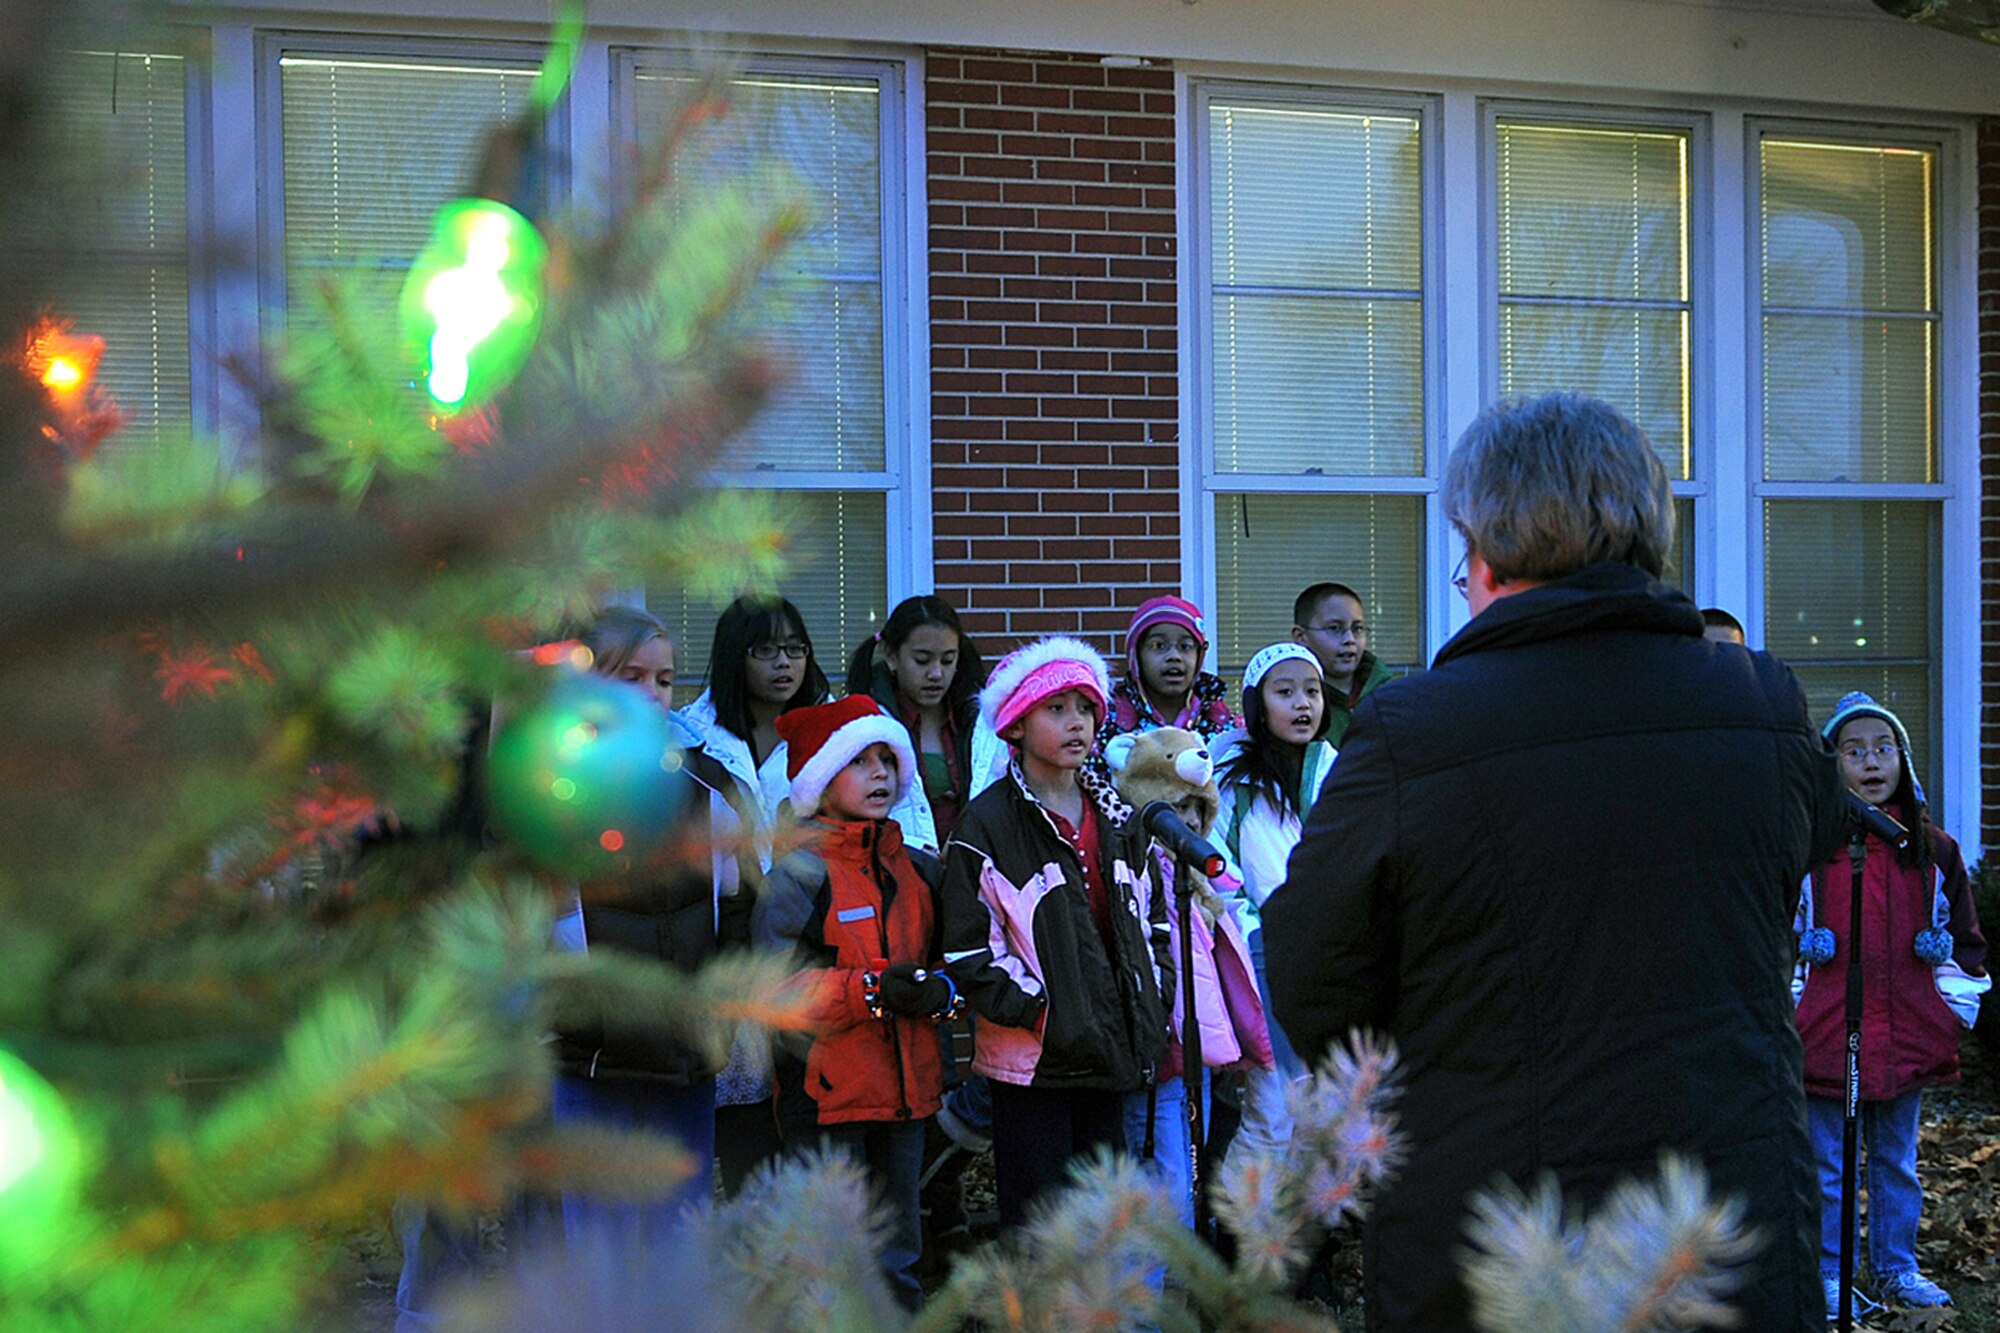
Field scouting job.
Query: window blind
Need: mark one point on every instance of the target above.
(1851, 604)
(1850, 312)
(109, 233)
(816, 139)
(835, 576)
(1591, 239)
(1271, 547)
(1316, 310)
(372, 147)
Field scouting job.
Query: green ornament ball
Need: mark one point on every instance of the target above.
(587, 779)
(472, 303)
(41, 1165)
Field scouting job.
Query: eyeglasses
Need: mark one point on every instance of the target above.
(1855, 754)
(1462, 580)
(770, 652)
(1338, 630)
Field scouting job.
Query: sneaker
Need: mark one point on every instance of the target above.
(961, 1133)
(1912, 1289)
(1861, 1304)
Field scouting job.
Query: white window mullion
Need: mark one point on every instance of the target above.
(229, 227)
(1467, 328)
(1727, 558)
(1960, 611)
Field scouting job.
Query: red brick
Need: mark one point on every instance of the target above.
(997, 118)
(997, 71)
(1038, 192)
(1041, 95)
(1001, 215)
(1110, 196)
(971, 191)
(1076, 73)
(1112, 150)
(963, 141)
(1108, 100)
(1068, 169)
(1018, 168)
(1070, 266)
(1069, 122)
(937, 90)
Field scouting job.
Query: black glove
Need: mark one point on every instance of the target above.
(907, 989)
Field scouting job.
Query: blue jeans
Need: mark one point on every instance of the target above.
(1267, 1122)
(972, 1102)
(893, 1153)
(441, 1249)
(1895, 1196)
(1170, 1161)
(686, 1115)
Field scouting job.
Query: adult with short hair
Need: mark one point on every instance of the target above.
(1559, 870)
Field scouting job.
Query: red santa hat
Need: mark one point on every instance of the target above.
(823, 739)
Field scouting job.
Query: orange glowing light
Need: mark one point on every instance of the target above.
(611, 840)
(64, 362)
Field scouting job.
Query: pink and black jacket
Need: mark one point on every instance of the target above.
(1060, 1005)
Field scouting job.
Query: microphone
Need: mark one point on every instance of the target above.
(1870, 818)
(1158, 818)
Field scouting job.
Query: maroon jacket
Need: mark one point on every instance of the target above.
(1909, 1036)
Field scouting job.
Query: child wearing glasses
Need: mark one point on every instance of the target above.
(1164, 685)
(760, 667)
(1329, 619)
(1923, 972)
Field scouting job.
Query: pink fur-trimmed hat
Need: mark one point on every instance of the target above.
(822, 739)
(1037, 670)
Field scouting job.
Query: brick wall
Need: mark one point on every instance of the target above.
(1989, 469)
(1054, 408)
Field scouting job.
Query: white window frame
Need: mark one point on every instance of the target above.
(1726, 481)
(905, 478)
(1201, 483)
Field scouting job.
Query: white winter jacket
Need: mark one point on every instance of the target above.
(1258, 836)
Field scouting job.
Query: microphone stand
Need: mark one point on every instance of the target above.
(1191, 1067)
(1857, 857)
(1863, 819)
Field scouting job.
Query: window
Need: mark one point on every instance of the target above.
(119, 123)
(1591, 238)
(831, 443)
(1852, 508)
(1592, 281)
(1309, 285)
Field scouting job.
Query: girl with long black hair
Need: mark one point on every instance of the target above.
(761, 667)
(926, 672)
(1269, 775)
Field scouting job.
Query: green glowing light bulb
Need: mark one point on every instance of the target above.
(472, 304)
(41, 1164)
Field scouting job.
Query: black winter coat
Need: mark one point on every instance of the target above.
(1057, 1007)
(673, 921)
(1559, 869)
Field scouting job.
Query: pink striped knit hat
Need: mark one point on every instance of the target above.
(1032, 673)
